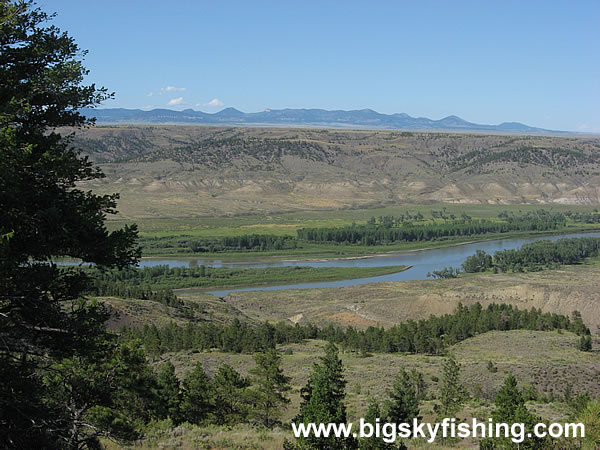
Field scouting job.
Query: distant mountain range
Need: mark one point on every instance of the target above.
(364, 118)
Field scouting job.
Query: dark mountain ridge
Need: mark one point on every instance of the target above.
(364, 118)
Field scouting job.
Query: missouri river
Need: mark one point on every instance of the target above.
(421, 262)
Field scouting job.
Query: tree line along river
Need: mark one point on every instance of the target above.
(421, 262)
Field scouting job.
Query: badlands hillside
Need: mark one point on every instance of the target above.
(181, 171)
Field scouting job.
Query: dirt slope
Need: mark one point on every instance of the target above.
(191, 171)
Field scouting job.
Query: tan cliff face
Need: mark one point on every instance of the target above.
(562, 291)
(183, 171)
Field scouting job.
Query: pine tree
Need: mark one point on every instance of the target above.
(452, 393)
(323, 401)
(197, 399)
(168, 393)
(104, 395)
(231, 396)
(402, 405)
(585, 343)
(510, 408)
(590, 418)
(45, 216)
(270, 386)
(419, 384)
(373, 442)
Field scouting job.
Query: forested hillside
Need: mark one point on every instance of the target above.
(193, 171)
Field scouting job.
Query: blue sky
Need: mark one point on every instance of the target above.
(536, 62)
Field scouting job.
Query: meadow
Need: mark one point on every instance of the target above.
(203, 278)
(171, 237)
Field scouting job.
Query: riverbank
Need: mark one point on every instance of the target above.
(422, 263)
(278, 276)
(331, 252)
(561, 290)
(200, 279)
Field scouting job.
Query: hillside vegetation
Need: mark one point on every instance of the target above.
(178, 171)
(385, 304)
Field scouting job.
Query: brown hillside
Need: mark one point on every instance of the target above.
(198, 171)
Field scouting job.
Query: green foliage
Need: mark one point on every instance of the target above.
(197, 396)
(391, 229)
(402, 404)
(238, 337)
(584, 217)
(168, 393)
(270, 386)
(590, 417)
(535, 256)
(452, 393)
(245, 243)
(45, 216)
(479, 262)
(577, 325)
(578, 403)
(430, 336)
(585, 344)
(373, 442)
(323, 401)
(418, 381)
(103, 395)
(223, 400)
(155, 283)
(231, 396)
(510, 408)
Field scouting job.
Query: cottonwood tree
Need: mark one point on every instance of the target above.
(45, 216)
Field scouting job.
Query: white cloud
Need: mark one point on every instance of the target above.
(164, 90)
(214, 102)
(172, 89)
(175, 101)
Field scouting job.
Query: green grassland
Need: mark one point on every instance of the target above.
(292, 274)
(309, 251)
(185, 280)
(287, 223)
(159, 236)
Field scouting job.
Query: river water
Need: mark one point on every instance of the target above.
(422, 262)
